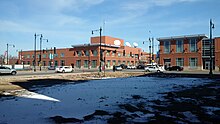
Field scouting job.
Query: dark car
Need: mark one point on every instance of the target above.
(140, 66)
(51, 67)
(123, 66)
(175, 68)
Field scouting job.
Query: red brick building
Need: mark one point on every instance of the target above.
(217, 53)
(113, 50)
(190, 51)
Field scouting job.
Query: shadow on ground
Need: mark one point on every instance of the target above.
(174, 75)
(32, 85)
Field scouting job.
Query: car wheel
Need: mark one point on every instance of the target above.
(13, 73)
(177, 70)
(158, 71)
(63, 71)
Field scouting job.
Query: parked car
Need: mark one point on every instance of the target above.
(118, 68)
(131, 67)
(123, 66)
(175, 68)
(153, 69)
(140, 66)
(51, 67)
(7, 70)
(64, 69)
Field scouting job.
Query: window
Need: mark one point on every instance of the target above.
(193, 62)
(136, 55)
(119, 54)
(56, 63)
(95, 53)
(32, 56)
(55, 55)
(128, 55)
(27, 63)
(44, 63)
(79, 53)
(113, 53)
(28, 56)
(113, 62)
(87, 52)
(44, 55)
(119, 62)
(62, 55)
(94, 63)
(86, 63)
(179, 62)
(193, 45)
(108, 63)
(62, 63)
(128, 62)
(166, 46)
(78, 63)
(179, 46)
(108, 53)
(38, 56)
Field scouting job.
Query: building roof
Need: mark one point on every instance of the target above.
(95, 44)
(182, 37)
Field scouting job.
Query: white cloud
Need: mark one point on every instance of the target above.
(11, 26)
(147, 4)
(57, 6)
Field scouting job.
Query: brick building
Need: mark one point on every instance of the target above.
(113, 50)
(191, 52)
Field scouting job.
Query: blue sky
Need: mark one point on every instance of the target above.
(69, 22)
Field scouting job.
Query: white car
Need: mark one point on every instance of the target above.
(64, 69)
(7, 70)
(118, 68)
(131, 67)
(153, 69)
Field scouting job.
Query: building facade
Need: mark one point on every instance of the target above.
(113, 52)
(191, 52)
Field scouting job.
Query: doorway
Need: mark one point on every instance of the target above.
(207, 65)
(167, 63)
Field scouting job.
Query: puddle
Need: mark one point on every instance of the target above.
(74, 102)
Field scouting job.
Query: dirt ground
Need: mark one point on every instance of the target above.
(21, 82)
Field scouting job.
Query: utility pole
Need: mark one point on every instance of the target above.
(7, 51)
(7, 54)
(100, 31)
(100, 49)
(150, 50)
(41, 36)
(34, 62)
(35, 52)
(211, 48)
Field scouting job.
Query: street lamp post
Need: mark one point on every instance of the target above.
(35, 45)
(211, 47)
(100, 49)
(152, 41)
(7, 51)
(150, 46)
(41, 49)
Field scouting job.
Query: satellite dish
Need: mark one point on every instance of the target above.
(135, 44)
(128, 44)
(117, 42)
